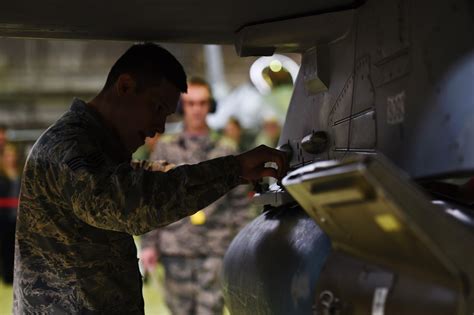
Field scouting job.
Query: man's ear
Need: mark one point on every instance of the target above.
(125, 84)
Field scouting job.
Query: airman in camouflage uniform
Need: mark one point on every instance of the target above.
(81, 200)
(192, 249)
(80, 203)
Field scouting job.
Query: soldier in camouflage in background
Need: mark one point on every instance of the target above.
(81, 200)
(192, 249)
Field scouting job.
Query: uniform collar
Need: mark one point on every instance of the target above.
(107, 138)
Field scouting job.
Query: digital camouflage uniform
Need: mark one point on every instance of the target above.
(192, 249)
(80, 203)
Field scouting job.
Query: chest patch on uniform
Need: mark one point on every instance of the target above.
(90, 162)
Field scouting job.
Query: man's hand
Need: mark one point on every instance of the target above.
(149, 258)
(252, 163)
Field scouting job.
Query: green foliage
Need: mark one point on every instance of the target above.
(6, 298)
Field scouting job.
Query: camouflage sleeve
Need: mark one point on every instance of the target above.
(239, 201)
(154, 166)
(137, 201)
(152, 238)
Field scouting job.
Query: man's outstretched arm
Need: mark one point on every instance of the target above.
(137, 201)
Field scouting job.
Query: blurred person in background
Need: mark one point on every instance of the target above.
(239, 138)
(3, 137)
(280, 82)
(270, 133)
(9, 191)
(191, 250)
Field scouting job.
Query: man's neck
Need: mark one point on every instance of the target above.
(100, 105)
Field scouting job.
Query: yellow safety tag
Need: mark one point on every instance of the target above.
(198, 218)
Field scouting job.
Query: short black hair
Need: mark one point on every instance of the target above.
(148, 63)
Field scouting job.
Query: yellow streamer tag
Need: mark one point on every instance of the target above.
(198, 218)
(388, 222)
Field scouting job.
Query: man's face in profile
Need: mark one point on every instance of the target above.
(143, 112)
